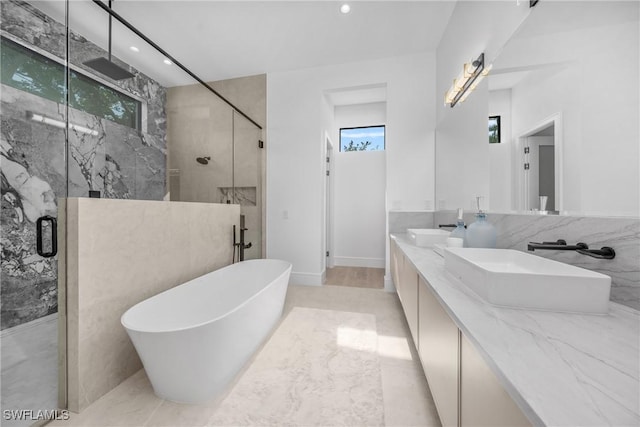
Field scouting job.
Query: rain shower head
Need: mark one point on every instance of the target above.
(105, 66)
(203, 160)
(108, 68)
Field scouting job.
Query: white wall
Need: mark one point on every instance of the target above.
(358, 115)
(462, 153)
(500, 155)
(297, 119)
(359, 184)
(359, 209)
(595, 49)
(600, 121)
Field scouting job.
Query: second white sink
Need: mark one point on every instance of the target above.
(512, 278)
(427, 237)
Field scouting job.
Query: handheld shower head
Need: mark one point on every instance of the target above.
(203, 160)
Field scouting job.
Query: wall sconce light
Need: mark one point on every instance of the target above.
(472, 74)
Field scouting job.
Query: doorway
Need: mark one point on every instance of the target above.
(540, 166)
(327, 204)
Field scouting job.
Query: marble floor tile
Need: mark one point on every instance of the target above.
(403, 397)
(171, 414)
(407, 399)
(319, 368)
(132, 403)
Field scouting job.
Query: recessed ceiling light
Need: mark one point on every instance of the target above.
(166, 61)
(133, 48)
(345, 8)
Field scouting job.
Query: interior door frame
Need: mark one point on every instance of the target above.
(522, 177)
(328, 205)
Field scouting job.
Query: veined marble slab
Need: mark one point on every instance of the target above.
(561, 369)
(400, 221)
(319, 368)
(622, 234)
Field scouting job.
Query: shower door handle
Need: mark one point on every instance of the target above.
(54, 236)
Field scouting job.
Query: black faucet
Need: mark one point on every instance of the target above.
(605, 252)
(450, 225)
(559, 245)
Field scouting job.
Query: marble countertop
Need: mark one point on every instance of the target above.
(561, 369)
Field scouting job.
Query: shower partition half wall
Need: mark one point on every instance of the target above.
(132, 138)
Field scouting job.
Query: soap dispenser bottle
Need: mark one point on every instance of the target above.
(459, 232)
(481, 234)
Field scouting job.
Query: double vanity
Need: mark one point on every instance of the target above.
(507, 338)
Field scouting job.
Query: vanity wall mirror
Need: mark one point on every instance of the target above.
(566, 86)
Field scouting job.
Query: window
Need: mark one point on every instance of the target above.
(368, 138)
(31, 72)
(494, 129)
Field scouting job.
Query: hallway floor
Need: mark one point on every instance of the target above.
(393, 373)
(357, 277)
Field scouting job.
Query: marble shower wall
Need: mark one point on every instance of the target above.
(622, 234)
(119, 161)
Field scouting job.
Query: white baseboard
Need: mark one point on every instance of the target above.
(307, 279)
(388, 284)
(343, 261)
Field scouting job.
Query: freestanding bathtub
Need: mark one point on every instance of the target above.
(194, 338)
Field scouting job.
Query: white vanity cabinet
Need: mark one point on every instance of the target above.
(483, 400)
(409, 298)
(405, 279)
(438, 345)
(395, 263)
(465, 389)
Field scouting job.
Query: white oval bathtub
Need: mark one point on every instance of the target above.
(194, 338)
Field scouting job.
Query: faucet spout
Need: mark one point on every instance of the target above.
(559, 245)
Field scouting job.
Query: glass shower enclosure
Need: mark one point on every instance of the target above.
(215, 156)
(33, 165)
(71, 129)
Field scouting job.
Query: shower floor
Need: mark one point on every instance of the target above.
(29, 368)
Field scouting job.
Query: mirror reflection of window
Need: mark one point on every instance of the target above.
(494, 130)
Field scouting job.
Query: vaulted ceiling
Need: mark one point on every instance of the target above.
(225, 39)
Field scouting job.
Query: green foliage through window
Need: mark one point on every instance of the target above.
(494, 129)
(369, 138)
(31, 72)
(361, 146)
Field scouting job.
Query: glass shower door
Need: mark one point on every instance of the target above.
(247, 182)
(33, 176)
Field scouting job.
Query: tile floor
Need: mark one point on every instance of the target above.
(358, 277)
(405, 395)
(29, 368)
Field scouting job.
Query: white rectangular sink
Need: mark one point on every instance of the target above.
(427, 237)
(512, 278)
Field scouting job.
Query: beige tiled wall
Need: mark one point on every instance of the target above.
(199, 124)
(120, 252)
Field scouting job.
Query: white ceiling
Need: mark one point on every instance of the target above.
(224, 39)
(552, 37)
